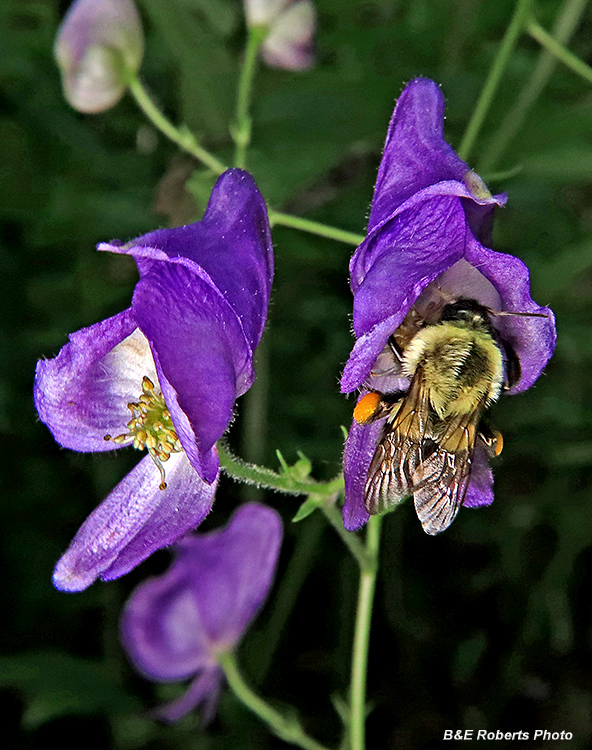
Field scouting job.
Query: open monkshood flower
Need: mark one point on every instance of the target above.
(425, 250)
(99, 48)
(175, 626)
(290, 28)
(163, 375)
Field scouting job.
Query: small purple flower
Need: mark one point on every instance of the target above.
(429, 224)
(291, 26)
(99, 48)
(174, 626)
(174, 361)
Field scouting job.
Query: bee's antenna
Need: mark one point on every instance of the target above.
(506, 313)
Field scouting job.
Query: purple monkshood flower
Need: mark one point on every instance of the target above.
(174, 626)
(290, 28)
(174, 361)
(98, 48)
(430, 222)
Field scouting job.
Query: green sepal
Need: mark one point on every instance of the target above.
(299, 471)
(311, 504)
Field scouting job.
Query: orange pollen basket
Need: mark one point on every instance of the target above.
(366, 408)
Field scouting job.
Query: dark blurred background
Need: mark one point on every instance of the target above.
(487, 626)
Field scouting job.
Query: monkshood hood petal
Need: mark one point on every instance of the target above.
(175, 625)
(416, 156)
(230, 248)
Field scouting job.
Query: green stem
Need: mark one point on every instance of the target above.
(314, 227)
(181, 136)
(516, 27)
(559, 51)
(264, 477)
(563, 28)
(351, 540)
(357, 735)
(241, 130)
(287, 728)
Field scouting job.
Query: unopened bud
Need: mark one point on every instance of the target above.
(99, 48)
(291, 25)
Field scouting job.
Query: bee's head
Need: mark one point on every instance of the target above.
(468, 313)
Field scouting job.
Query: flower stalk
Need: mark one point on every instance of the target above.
(287, 728)
(351, 540)
(314, 227)
(263, 477)
(241, 130)
(357, 727)
(181, 136)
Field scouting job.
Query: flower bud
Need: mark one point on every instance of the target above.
(99, 48)
(291, 26)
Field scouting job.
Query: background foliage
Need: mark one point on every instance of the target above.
(487, 626)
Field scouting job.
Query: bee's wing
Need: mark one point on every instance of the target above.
(440, 482)
(399, 450)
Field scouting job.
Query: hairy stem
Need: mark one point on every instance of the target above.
(264, 477)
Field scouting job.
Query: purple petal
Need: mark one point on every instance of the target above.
(480, 489)
(357, 456)
(200, 346)
(232, 245)
(365, 352)
(174, 625)
(204, 691)
(407, 254)
(206, 464)
(135, 520)
(232, 570)
(161, 628)
(533, 339)
(416, 154)
(82, 394)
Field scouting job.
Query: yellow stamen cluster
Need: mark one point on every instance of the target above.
(151, 427)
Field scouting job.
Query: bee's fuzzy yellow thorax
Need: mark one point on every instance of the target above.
(463, 366)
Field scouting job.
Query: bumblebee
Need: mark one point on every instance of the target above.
(457, 367)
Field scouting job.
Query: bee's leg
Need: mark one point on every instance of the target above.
(374, 406)
(396, 349)
(492, 440)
